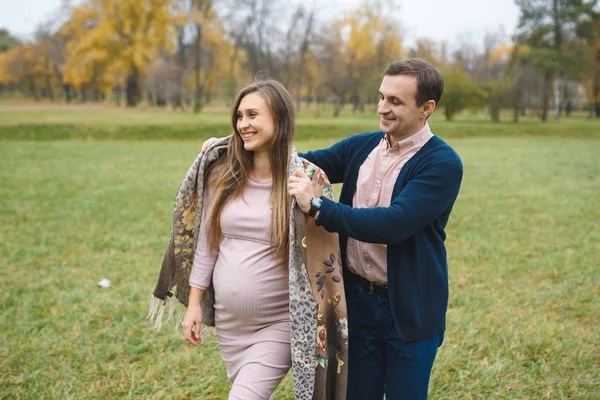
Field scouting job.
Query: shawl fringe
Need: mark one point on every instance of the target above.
(175, 313)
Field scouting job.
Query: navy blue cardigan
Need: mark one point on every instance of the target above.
(412, 226)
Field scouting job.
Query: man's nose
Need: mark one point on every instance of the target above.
(382, 107)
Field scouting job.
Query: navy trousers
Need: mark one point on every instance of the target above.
(379, 360)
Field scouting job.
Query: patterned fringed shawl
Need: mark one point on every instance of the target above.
(319, 325)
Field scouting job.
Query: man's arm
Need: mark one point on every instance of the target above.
(425, 197)
(331, 160)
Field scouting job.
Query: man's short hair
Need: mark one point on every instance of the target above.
(430, 84)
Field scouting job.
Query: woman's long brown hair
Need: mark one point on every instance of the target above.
(235, 168)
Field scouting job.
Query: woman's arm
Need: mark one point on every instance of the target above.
(205, 257)
(192, 322)
(203, 266)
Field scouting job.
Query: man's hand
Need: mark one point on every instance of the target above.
(207, 144)
(303, 189)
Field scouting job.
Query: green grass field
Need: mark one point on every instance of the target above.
(523, 245)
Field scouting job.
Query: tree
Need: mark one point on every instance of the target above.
(253, 27)
(428, 50)
(355, 49)
(7, 41)
(217, 52)
(524, 81)
(202, 16)
(589, 30)
(116, 37)
(460, 92)
(26, 66)
(548, 28)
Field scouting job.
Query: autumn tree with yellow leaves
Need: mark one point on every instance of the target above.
(113, 42)
(354, 52)
(27, 66)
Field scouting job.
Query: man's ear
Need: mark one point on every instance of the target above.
(428, 108)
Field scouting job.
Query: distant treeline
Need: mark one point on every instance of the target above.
(187, 53)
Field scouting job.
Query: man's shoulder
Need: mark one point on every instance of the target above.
(361, 138)
(437, 149)
(367, 135)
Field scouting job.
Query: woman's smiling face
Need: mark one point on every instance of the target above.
(255, 123)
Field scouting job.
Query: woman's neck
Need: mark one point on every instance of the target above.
(261, 168)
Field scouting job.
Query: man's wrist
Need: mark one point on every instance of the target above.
(315, 207)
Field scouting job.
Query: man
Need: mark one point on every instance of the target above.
(400, 184)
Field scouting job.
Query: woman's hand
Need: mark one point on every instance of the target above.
(192, 323)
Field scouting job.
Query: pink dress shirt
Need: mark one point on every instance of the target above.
(376, 179)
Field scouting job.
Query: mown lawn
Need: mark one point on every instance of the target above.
(101, 122)
(523, 245)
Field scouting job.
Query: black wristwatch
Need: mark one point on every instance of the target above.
(315, 206)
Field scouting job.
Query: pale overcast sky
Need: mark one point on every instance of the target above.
(435, 19)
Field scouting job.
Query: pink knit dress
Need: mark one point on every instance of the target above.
(251, 293)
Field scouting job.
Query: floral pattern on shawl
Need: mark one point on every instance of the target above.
(323, 264)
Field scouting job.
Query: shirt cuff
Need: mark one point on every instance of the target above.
(319, 214)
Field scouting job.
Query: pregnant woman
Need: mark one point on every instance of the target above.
(244, 259)
(243, 245)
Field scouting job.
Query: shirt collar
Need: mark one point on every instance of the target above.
(419, 138)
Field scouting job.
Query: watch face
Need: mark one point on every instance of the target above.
(315, 205)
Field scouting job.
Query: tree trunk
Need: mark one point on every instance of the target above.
(303, 51)
(494, 111)
(236, 50)
(557, 105)
(517, 100)
(133, 88)
(177, 101)
(33, 89)
(151, 98)
(49, 90)
(161, 99)
(448, 114)
(596, 102)
(67, 91)
(597, 86)
(198, 91)
(337, 109)
(355, 103)
(117, 92)
(546, 95)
